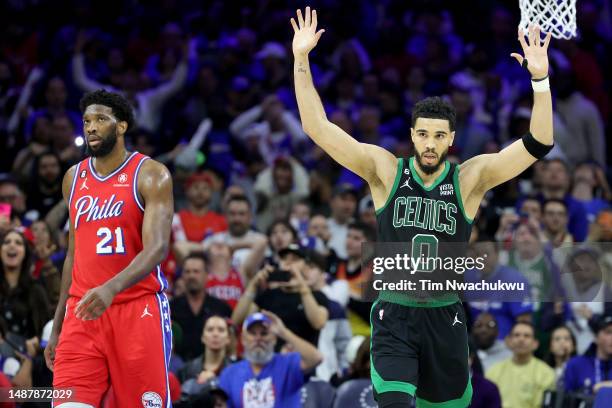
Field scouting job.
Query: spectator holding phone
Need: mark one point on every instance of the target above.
(285, 292)
(14, 208)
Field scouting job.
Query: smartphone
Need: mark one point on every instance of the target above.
(10, 344)
(279, 276)
(16, 342)
(6, 209)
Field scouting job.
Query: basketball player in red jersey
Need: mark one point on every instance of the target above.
(112, 323)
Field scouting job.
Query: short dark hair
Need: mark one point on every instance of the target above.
(239, 198)
(367, 231)
(120, 106)
(197, 255)
(565, 164)
(533, 329)
(554, 200)
(287, 224)
(434, 107)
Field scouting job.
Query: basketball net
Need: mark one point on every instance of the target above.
(555, 16)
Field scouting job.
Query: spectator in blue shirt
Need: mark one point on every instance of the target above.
(507, 306)
(265, 378)
(592, 370)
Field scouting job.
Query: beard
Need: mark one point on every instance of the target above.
(259, 356)
(193, 288)
(107, 144)
(427, 168)
(47, 183)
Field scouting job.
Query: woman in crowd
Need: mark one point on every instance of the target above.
(219, 348)
(562, 347)
(24, 301)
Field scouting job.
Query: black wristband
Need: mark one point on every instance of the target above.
(535, 148)
(539, 79)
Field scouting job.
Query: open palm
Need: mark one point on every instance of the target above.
(305, 34)
(535, 52)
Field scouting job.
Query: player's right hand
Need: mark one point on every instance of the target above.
(50, 351)
(305, 34)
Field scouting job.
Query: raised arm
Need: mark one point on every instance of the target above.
(374, 164)
(58, 319)
(309, 355)
(483, 172)
(155, 187)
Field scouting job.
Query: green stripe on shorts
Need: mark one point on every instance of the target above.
(379, 384)
(461, 402)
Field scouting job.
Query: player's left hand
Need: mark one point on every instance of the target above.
(94, 303)
(534, 51)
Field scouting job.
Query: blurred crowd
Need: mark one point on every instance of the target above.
(265, 267)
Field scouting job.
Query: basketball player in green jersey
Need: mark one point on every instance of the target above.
(419, 350)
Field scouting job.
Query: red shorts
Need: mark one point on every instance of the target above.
(127, 347)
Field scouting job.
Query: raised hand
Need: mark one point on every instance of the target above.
(535, 52)
(277, 327)
(305, 34)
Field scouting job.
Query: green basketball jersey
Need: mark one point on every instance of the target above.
(420, 215)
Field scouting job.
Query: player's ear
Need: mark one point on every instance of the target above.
(122, 127)
(412, 133)
(452, 138)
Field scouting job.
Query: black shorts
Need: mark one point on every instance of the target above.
(422, 351)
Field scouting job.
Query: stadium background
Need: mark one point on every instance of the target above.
(212, 86)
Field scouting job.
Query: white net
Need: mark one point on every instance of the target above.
(555, 16)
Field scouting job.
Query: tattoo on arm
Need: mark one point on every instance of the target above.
(301, 68)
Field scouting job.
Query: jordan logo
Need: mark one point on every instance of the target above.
(381, 313)
(146, 312)
(84, 185)
(456, 320)
(406, 184)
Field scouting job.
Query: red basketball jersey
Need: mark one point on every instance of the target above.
(107, 214)
(229, 289)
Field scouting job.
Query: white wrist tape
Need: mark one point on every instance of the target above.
(542, 85)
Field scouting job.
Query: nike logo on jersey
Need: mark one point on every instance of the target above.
(456, 319)
(406, 184)
(146, 312)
